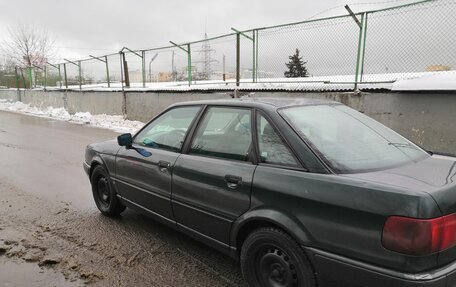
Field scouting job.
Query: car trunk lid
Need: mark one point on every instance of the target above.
(435, 175)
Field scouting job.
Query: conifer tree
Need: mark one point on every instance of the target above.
(296, 66)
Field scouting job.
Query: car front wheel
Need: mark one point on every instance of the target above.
(103, 194)
(271, 258)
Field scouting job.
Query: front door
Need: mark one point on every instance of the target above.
(143, 172)
(212, 183)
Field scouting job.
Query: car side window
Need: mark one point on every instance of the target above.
(224, 133)
(168, 131)
(271, 147)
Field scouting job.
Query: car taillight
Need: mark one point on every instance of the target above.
(419, 236)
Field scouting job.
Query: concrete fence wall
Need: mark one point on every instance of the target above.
(10, 95)
(427, 119)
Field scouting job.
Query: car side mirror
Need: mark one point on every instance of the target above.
(125, 140)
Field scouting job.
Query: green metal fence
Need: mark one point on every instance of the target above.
(352, 51)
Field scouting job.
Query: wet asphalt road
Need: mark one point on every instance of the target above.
(47, 217)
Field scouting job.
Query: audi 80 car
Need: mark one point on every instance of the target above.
(302, 192)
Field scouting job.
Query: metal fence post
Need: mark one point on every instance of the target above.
(189, 69)
(107, 71)
(24, 82)
(238, 58)
(29, 75)
(60, 74)
(223, 66)
(125, 70)
(256, 56)
(364, 45)
(60, 78)
(35, 75)
(361, 51)
(17, 78)
(253, 57)
(143, 62)
(65, 75)
(106, 63)
(238, 54)
(121, 70)
(80, 75)
(127, 77)
(45, 76)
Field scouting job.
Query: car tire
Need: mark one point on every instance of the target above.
(103, 193)
(271, 258)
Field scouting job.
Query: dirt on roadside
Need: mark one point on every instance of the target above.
(86, 248)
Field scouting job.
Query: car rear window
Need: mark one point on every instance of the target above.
(350, 141)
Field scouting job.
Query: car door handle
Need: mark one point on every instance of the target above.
(233, 181)
(164, 166)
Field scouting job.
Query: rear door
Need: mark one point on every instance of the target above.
(143, 173)
(212, 183)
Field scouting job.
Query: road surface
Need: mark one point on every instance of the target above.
(50, 226)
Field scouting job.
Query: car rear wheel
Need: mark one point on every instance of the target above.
(271, 258)
(103, 194)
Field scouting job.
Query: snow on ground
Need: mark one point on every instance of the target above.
(433, 82)
(408, 81)
(116, 123)
(413, 81)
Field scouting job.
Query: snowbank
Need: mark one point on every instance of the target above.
(407, 81)
(444, 81)
(116, 123)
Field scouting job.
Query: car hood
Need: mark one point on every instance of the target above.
(106, 147)
(435, 175)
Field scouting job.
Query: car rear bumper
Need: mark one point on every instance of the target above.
(334, 270)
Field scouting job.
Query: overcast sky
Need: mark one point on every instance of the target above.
(101, 26)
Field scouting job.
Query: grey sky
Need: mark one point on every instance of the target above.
(96, 27)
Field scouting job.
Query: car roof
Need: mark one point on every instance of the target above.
(261, 102)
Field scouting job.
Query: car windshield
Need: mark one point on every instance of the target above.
(349, 141)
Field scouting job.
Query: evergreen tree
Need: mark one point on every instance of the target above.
(296, 66)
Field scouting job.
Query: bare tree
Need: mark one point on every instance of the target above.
(27, 45)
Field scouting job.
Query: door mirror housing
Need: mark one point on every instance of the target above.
(125, 140)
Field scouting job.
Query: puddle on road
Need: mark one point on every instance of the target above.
(14, 273)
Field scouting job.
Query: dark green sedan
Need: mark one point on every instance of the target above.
(303, 192)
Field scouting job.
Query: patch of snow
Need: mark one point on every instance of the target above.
(438, 80)
(444, 81)
(84, 117)
(116, 123)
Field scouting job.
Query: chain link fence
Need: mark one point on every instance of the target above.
(410, 41)
(328, 48)
(358, 50)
